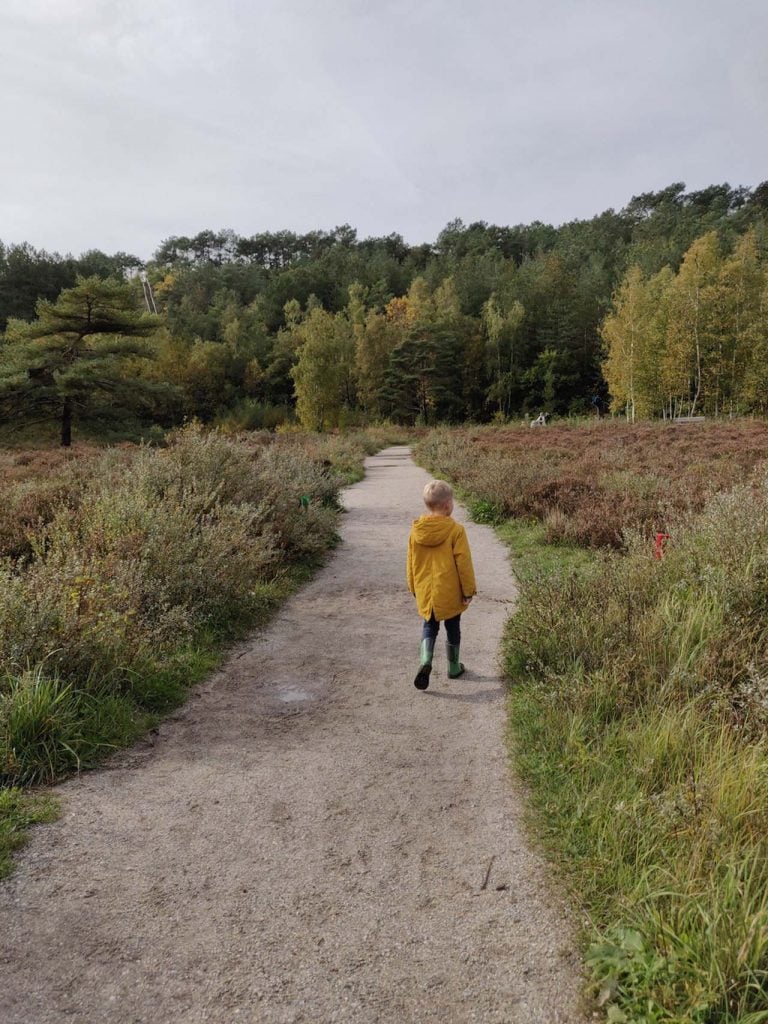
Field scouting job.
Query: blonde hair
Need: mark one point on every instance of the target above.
(437, 494)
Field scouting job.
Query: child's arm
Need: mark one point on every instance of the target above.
(409, 569)
(462, 556)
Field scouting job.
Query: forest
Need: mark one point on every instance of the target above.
(659, 309)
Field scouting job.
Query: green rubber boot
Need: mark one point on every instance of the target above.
(455, 668)
(421, 682)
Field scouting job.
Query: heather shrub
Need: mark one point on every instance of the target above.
(592, 483)
(302, 529)
(204, 466)
(176, 540)
(149, 552)
(26, 507)
(34, 485)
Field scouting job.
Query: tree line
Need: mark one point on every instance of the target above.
(487, 322)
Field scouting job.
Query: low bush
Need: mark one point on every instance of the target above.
(591, 483)
(252, 415)
(135, 564)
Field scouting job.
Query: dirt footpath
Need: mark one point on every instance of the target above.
(311, 839)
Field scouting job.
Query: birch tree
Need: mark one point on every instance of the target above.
(323, 372)
(738, 302)
(691, 334)
(622, 333)
(500, 329)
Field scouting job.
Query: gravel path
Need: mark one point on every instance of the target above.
(310, 839)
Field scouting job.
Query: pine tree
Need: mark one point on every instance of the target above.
(76, 350)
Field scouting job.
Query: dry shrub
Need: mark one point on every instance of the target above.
(152, 545)
(121, 572)
(606, 478)
(33, 485)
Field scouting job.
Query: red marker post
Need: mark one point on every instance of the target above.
(659, 551)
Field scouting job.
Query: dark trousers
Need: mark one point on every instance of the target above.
(452, 629)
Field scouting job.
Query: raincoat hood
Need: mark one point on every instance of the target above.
(432, 530)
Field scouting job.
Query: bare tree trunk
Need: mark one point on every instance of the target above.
(66, 423)
(698, 356)
(736, 349)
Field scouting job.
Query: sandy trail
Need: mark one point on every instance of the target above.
(310, 839)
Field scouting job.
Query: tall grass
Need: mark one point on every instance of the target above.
(17, 812)
(639, 705)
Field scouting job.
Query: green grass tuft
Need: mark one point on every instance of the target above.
(17, 812)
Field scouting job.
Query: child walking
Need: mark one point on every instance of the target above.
(440, 576)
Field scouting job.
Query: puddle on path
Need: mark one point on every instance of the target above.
(292, 694)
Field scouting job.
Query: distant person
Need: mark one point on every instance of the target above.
(441, 578)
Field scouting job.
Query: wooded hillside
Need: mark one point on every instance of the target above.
(659, 308)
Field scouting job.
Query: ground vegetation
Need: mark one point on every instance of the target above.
(591, 483)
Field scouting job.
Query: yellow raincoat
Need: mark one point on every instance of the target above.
(439, 567)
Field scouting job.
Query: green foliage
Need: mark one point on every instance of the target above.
(694, 341)
(41, 734)
(483, 511)
(28, 274)
(376, 337)
(422, 384)
(488, 321)
(250, 415)
(324, 369)
(638, 713)
(534, 555)
(47, 728)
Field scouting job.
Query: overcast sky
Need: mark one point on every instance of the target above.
(126, 122)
